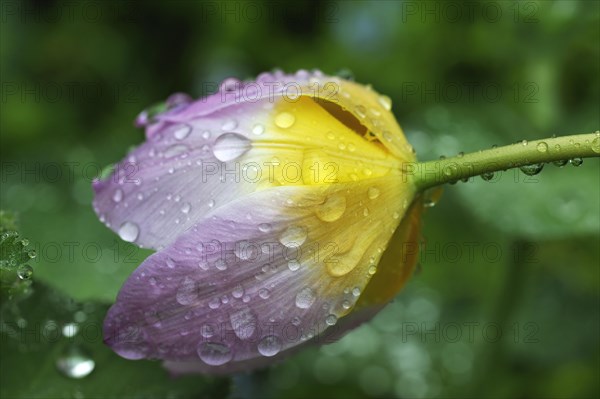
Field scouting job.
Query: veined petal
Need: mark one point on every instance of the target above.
(260, 276)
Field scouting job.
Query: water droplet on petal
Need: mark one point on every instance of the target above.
(373, 193)
(264, 293)
(331, 319)
(187, 292)
(532, 170)
(117, 195)
(129, 231)
(186, 207)
(75, 363)
(207, 331)
(229, 124)
(294, 236)
(238, 291)
(243, 323)
(361, 111)
(265, 227)
(214, 353)
(182, 131)
(385, 102)
(332, 209)
(284, 120)
(293, 265)
(356, 291)
(170, 263)
(230, 146)
(206, 135)
(305, 298)
(269, 345)
(220, 264)
(258, 129)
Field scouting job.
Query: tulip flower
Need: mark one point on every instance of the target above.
(270, 205)
(283, 212)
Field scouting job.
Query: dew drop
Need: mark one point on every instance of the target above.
(532, 170)
(269, 345)
(237, 292)
(284, 120)
(25, 272)
(187, 292)
(524, 142)
(170, 263)
(214, 353)
(356, 291)
(385, 102)
(229, 124)
(206, 135)
(258, 129)
(75, 363)
(207, 331)
(220, 264)
(230, 146)
(117, 195)
(265, 227)
(264, 293)
(243, 323)
(487, 176)
(372, 269)
(182, 131)
(561, 163)
(596, 144)
(373, 193)
(576, 161)
(331, 319)
(175, 150)
(294, 236)
(214, 303)
(305, 298)
(186, 207)
(129, 231)
(293, 265)
(360, 110)
(332, 209)
(542, 147)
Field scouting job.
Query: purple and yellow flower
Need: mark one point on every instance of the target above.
(270, 204)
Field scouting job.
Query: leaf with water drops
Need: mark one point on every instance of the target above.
(52, 347)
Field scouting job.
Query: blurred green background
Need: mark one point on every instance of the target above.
(506, 300)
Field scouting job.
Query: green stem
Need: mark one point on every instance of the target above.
(449, 170)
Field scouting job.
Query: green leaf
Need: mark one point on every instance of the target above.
(49, 339)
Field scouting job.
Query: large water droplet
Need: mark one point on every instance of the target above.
(243, 323)
(214, 353)
(532, 170)
(187, 292)
(129, 231)
(284, 120)
(294, 236)
(332, 209)
(238, 291)
(181, 132)
(305, 298)
(75, 363)
(230, 146)
(269, 345)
